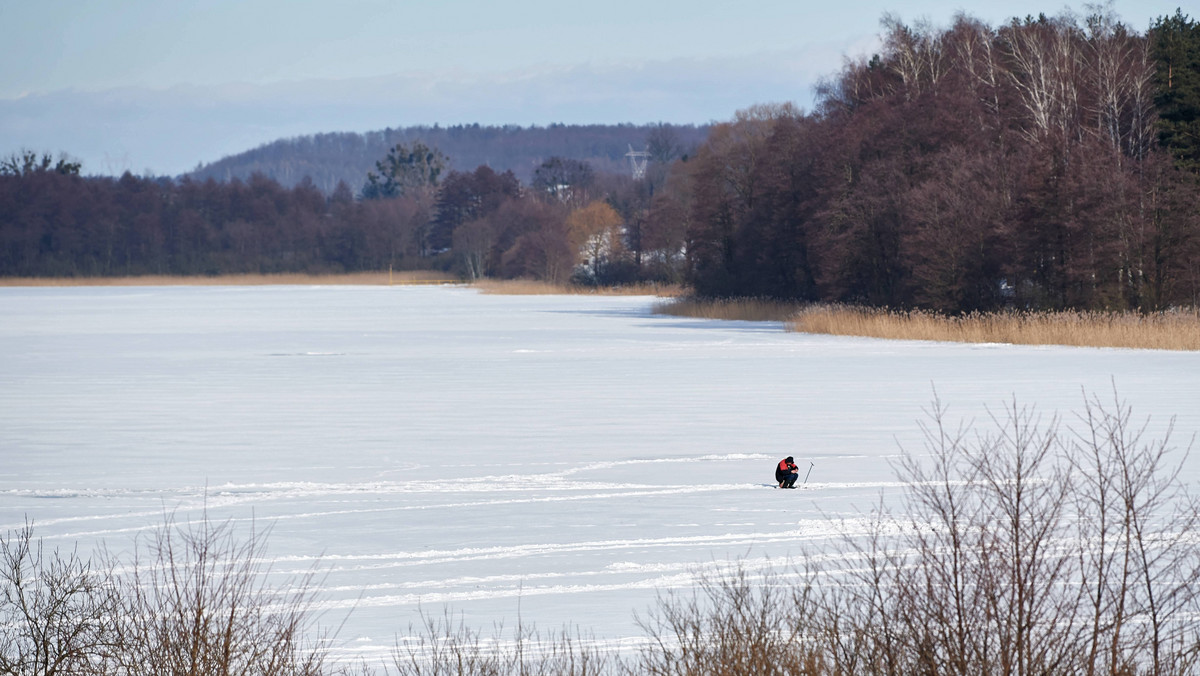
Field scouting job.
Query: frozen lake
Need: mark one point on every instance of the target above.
(564, 456)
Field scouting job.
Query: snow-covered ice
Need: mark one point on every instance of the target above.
(564, 457)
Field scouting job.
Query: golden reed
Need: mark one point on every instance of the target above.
(1170, 330)
(731, 309)
(530, 287)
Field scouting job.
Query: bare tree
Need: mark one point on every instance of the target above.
(1120, 73)
(474, 241)
(917, 54)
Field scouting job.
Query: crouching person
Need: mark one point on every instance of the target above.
(786, 473)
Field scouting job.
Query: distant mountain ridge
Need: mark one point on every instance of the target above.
(329, 158)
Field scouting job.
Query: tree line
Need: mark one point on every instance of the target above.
(1047, 163)
(412, 212)
(329, 158)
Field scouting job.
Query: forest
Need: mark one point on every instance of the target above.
(327, 159)
(1047, 163)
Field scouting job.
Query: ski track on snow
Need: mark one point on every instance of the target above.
(263, 495)
(414, 449)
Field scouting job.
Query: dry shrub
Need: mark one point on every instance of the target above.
(195, 600)
(1169, 330)
(1032, 548)
(734, 625)
(54, 610)
(734, 309)
(442, 646)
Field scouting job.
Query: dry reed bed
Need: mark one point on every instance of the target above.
(529, 287)
(731, 309)
(512, 287)
(355, 278)
(1172, 330)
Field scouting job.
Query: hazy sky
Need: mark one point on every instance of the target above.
(160, 85)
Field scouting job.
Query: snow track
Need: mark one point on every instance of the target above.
(567, 458)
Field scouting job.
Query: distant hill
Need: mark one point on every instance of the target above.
(348, 156)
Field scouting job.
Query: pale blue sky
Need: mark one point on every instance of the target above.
(159, 85)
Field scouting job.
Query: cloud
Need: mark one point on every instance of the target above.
(170, 131)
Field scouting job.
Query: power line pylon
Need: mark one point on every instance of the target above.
(638, 160)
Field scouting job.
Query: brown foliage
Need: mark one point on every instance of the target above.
(965, 169)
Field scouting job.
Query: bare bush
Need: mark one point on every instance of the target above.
(442, 646)
(734, 624)
(1031, 548)
(54, 609)
(1140, 564)
(196, 600)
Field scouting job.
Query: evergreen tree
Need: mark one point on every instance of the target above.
(405, 170)
(1175, 45)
